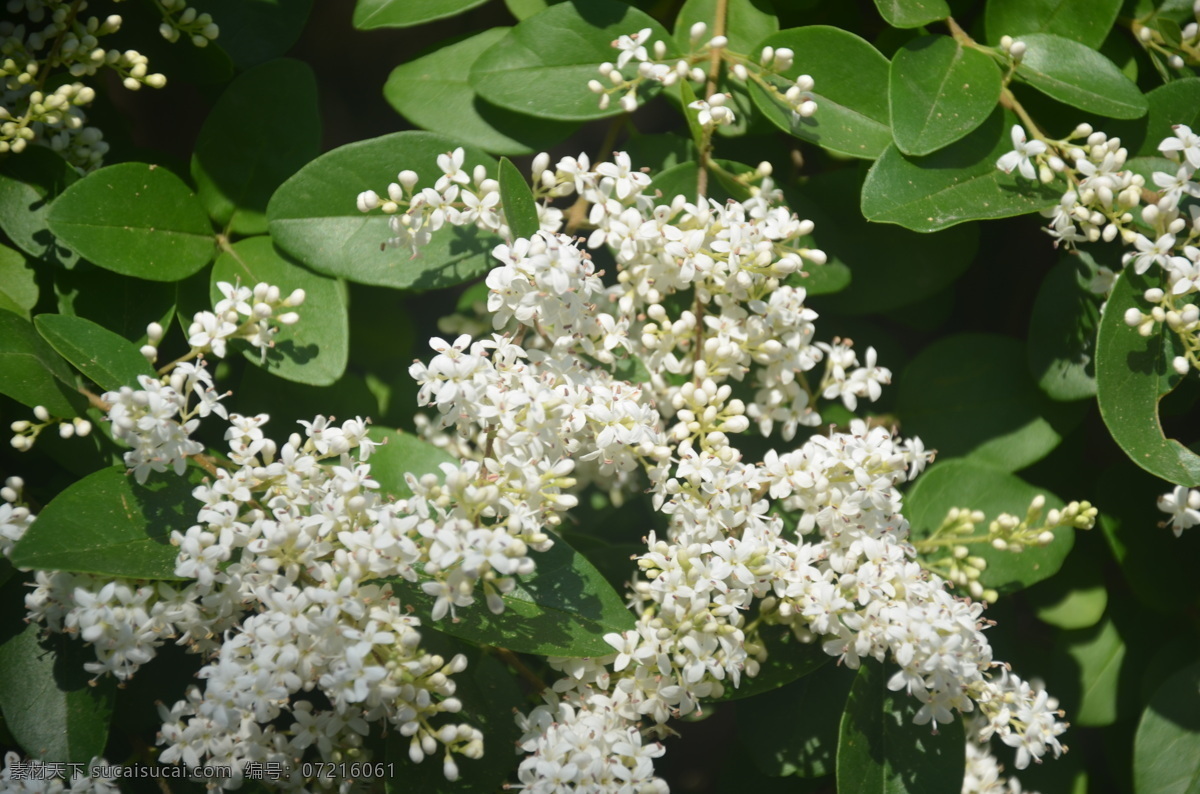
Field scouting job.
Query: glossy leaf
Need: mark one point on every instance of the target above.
(912, 13)
(563, 609)
(434, 93)
(1062, 334)
(788, 659)
(558, 51)
(51, 705)
(371, 14)
(18, 288)
(968, 484)
(1097, 654)
(851, 91)
(1085, 21)
(239, 160)
(314, 219)
(1177, 102)
(108, 359)
(520, 208)
(402, 453)
(315, 349)
(255, 31)
(881, 751)
(917, 265)
(1166, 748)
(135, 219)
(1132, 374)
(1077, 75)
(938, 92)
(28, 186)
(959, 183)
(783, 745)
(971, 394)
(107, 524)
(32, 373)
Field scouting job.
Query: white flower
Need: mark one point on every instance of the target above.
(1183, 505)
(1019, 157)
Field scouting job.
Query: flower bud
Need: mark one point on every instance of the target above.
(1180, 365)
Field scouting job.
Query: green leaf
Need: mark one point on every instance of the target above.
(938, 92)
(371, 14)
(135, 219)
(256, 31)
(564, 608)
(959, 183)
(434, 93)
(1132, 374)
(524, 9)
(1085, 21)
(1062, 334)
(403, 453)
(851, 91)
(542, 67)
(1097, 654)
(971, 394)
(1079, 76)
(520, 207)
(315, 349)
(1075, 609)
(1076, 597)
(32, 373)
(261, 131)
(967, 483)
(490, 695)
(1166, 748)
(122, 304)
(783, 745)
(787, 660)
(313, 216)
(881, 750)
(28, 186)
(18, 286)
(918, 265)
(108, 359)
(50, 704)
(1176, 102)
(912, 13)
(107, 524)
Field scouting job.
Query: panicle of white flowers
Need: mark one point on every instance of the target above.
(31, 776)
(53, 39)
(646, 62)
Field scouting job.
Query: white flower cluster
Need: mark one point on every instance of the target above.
(767, 71)
(56, 35)
(984, 774)
(31, 776)
(15, 517)
(848, 578)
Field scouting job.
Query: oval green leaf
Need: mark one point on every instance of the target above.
(106, 524)
(959, 183)
(1177, 102)
(32, 373)
(971, 394)
(314, 219)
(520, 208)
(402, 453)
(1132, 374)
(1085, 21)
(51, 705)
(1166, 748)
(1096, 655)
(938, 92)
(239, 162)
(1077, 75)
(135, 219)
(28, 186)
(434, 92)
(371, 14)
(881, 751)
(851, 91)
(912, 13)
(315, 349)
(564, 608)
(1062, 333)
(965, 483)
(542, 67)
(18, 286)
(108, 359)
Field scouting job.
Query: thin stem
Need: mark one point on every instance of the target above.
(710, 88)
(1009, 101)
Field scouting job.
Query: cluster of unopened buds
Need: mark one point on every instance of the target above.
(1179, 47)
(767, 71)
(181, 19)
(26, 432)
(1005, 533)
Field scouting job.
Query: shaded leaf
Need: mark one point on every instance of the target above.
(1098, 654)
(787, 660)
(255, 31)
(315, 349)
(1166, 749)
(1062, 334)
(28, 186)
(32, 373)
(18, 285)
(108, 359)
(135, 219)
(912, 13)
(371, 14)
